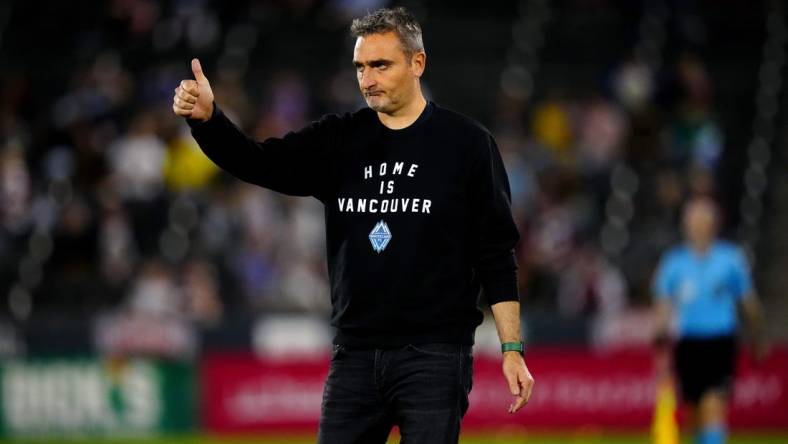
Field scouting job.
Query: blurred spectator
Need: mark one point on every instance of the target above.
(591, 286)
(185, 166)
(600, 136)
(522, 177)
(303, 288)
(153, 321)
(634, 85)
(72, 283)
(257, 219)
(552, 234)
(137, 165)
(552, 127)
(154, 293)
(15, 192)
(694, 137)
(117, 250)
(137, 160)
(286, 107)
(200, 288)
(257, 271)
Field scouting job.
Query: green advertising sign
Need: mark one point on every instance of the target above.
(95, 396)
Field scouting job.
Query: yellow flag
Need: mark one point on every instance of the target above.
(664, 428)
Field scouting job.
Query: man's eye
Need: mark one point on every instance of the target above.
(382, 66)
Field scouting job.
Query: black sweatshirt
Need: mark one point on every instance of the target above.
(417, 219)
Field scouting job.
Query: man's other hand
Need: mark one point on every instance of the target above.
(520, 381)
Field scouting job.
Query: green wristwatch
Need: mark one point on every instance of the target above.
(513, 346)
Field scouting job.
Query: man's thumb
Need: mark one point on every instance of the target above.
(197, 70)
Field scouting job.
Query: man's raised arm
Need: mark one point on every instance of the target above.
(299, 164)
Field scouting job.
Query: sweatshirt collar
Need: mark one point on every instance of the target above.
(423, 117)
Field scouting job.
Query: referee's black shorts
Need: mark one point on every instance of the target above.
(704, 365)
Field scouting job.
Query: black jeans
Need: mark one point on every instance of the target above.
(422, 388)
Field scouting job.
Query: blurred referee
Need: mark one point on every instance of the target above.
(418, 222)
(700, 285)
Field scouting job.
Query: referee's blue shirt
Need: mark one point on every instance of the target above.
(704, 289)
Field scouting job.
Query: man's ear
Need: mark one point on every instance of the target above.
(417, 63)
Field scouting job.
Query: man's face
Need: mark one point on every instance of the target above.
(386, 77)
(700, 222)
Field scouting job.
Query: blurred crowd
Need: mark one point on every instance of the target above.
(110, 211)
(591, 173)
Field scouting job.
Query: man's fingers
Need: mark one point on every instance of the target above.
(186, 97)
(518, 403)
(181, 112)
(191, 87)
(514, 388)
(182, 103)
(527, 384)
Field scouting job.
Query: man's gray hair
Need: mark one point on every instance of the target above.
(398, 20)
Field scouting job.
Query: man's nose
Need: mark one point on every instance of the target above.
(368, 79)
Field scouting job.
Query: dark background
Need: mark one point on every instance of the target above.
(609, 114)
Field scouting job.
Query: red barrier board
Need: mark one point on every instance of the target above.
(574, 388)
(581, 388)
(243, 393)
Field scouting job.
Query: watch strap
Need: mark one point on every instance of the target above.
(513, 346)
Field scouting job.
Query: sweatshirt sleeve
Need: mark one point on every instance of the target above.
(497, 234)
(298, 164)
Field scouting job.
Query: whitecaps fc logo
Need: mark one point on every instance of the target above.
(380, 236)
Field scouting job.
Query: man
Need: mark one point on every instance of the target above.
(417, 219)
(702, 283)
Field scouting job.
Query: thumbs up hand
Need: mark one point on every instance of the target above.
(194, 98)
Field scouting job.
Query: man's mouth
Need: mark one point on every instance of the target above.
(373, 93)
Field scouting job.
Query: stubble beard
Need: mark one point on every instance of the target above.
(380, 104)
